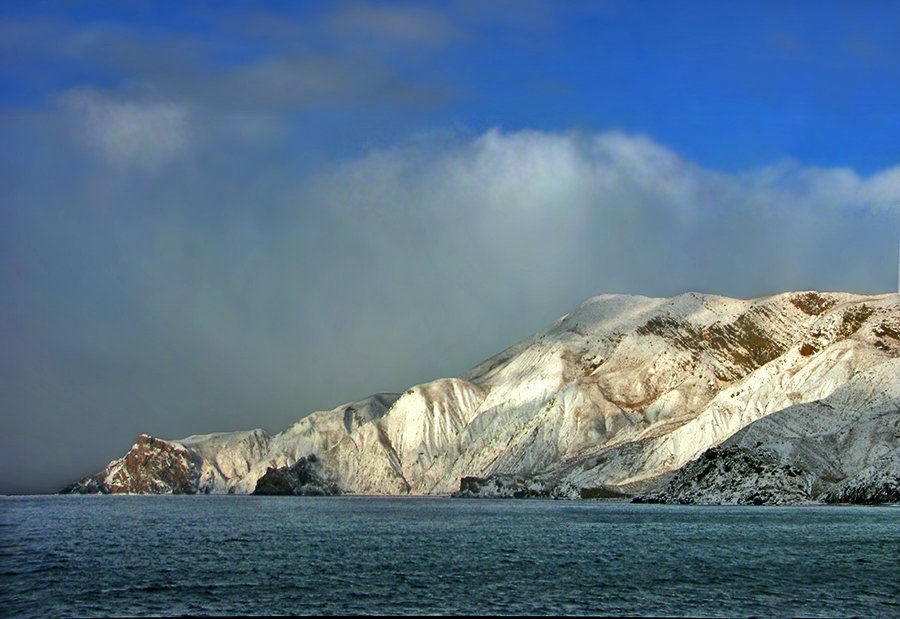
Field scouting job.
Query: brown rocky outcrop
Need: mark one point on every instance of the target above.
(152, 466)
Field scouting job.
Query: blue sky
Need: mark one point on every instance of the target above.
(729, 85)
(219, 216)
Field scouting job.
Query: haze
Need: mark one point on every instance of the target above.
(214, 218)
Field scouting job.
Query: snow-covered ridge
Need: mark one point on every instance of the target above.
(619, 393)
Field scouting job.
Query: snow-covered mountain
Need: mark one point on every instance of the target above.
(613, 397)
(842, 448)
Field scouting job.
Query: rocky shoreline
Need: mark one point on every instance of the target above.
(786, 399)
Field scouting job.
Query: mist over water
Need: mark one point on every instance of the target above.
(93, 556)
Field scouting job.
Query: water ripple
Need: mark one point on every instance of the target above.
(248, 555)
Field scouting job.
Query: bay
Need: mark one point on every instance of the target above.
(215, 555)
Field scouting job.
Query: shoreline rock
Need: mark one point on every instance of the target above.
(303, 478)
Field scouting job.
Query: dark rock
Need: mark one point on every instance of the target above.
(878, 483)
(303, 478)
(736, 475)
(88, 485)
(602, 492)
(513, 487)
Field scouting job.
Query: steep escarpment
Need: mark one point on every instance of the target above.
(151, 466)
(617, 395)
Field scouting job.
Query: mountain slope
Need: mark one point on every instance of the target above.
(852, 435)
(618, 394)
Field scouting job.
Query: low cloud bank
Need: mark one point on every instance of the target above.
(191, 281)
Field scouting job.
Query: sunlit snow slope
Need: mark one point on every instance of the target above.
(618, 394)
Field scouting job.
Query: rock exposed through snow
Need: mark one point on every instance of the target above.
(736, 476)
(619, 394)
(877, 483)
(510, 487)
(152, 466)
(303, 478)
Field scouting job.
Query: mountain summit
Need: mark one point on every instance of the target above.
(613, 399)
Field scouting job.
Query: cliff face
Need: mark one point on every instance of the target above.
(152, 466)
(617, 395)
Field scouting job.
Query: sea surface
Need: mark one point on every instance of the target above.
(208, 555)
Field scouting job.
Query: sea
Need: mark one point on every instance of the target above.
(94, 556)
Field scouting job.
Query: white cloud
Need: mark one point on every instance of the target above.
(129, 133)
(591, 213)
(883, 191)
(574, 173)
(225, 290)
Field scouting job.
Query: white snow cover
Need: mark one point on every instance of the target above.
(619, 392)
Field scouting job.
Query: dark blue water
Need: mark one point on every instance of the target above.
(89, 556)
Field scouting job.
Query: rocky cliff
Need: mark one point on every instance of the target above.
(617, 395)
(151, 466)
(303, 478)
